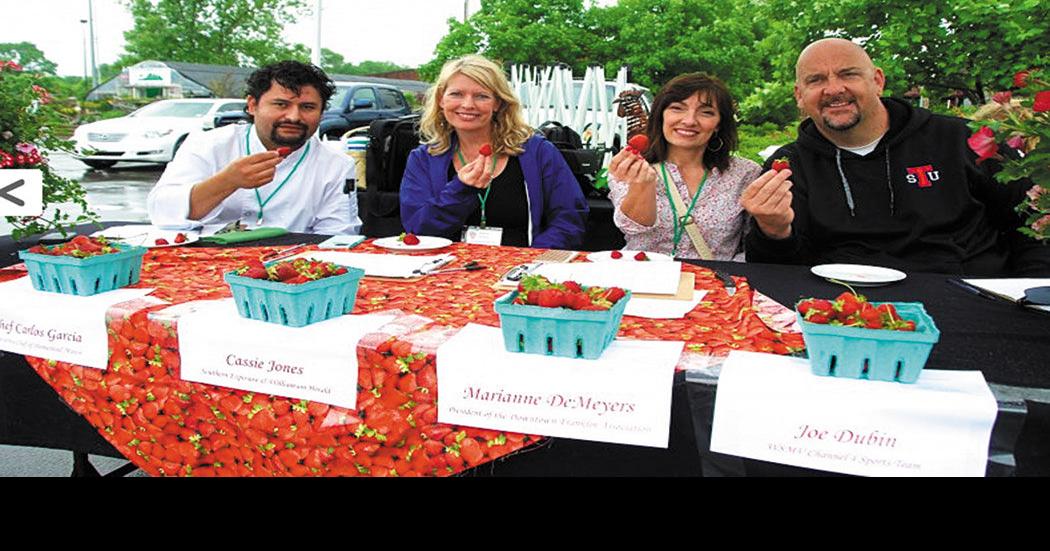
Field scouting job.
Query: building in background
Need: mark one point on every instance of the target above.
(173, 79)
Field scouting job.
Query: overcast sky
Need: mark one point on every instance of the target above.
(402, 31)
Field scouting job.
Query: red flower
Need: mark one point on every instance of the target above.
(1042, 102)
(1002, 98)
(983, 144)
(1016, 141)
(1021, 79)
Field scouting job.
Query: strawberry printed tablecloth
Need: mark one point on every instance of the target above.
(167, 426)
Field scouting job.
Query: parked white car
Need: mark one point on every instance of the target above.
(151, 134)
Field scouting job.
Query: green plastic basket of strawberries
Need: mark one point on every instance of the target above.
(560, 319)
(294, 292)
(83, 266)
(854, 338)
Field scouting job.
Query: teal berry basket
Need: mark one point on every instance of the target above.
(874, 354)
(558, 331)
(84, 276)
(295, 305)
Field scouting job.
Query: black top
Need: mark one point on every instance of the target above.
(507, 206)
(918, 202)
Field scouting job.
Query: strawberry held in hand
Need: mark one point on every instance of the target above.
(485, 150)
(638, 144)
(781, 164)
(284, 151)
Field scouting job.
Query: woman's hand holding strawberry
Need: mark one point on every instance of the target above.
(477, 173)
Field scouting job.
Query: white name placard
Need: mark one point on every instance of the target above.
(623, 397)
(317, 362)
(773, 408)
(66, 328)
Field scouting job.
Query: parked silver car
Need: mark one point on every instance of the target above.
(151, 134)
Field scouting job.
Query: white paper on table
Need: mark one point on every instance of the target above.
(623, 397)
(383, 265)
(657, 278)
(773, 408)
(317, 362)
(1011, 288)
(66, 328)
(661, 308)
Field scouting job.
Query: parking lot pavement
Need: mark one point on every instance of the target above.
(118, 193)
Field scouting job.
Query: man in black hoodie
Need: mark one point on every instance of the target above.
(876, 181)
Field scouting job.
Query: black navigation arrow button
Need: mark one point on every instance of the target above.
(11, 187)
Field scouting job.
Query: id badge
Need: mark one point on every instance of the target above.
(483, 236)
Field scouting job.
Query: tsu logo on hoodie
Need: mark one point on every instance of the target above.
(923, 175)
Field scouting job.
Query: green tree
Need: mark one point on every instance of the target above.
(659, 39)
(968, 45)
(335, 63)
(28, 56)
(224, 32)
(534, 32)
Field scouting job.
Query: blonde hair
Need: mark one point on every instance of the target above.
(509, 129)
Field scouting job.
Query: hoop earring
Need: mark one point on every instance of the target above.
(721, 144)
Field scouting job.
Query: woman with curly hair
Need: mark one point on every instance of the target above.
(483, 173)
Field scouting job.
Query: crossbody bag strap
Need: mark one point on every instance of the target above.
(691, 228)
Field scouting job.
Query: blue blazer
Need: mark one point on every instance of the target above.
(433, 205)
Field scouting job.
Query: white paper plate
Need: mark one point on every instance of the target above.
(147, 236)
(628, 256)
(858, 274)
(426, 243)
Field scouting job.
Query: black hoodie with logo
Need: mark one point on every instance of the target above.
(918, 202)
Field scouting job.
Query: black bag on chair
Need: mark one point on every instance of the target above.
(584, 163)
(390, 142)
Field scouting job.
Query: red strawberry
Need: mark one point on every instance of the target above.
(284, 151)
(818, 317)
(616, 254)
(161, 241)
(639, 143)
(256, 272)
(485, 150)
(888, 312)
(577, 301)
(614, 294)
(284, 271)
(781, 164)
(549, 298)
(572, 286)
(907, 325)
(641, 256)
(180, 237)
(870, 316)
(410, 239)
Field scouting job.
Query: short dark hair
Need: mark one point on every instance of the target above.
(293, 75)
(683, 87)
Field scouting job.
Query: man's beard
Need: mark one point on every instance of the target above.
(297, 142)
(842, 126)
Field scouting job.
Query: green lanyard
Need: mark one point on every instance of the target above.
(248, 151)
(482, 198)
(680, 222)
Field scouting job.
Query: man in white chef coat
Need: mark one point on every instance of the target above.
(273, 172)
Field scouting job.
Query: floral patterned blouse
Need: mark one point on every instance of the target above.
(718, 214)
